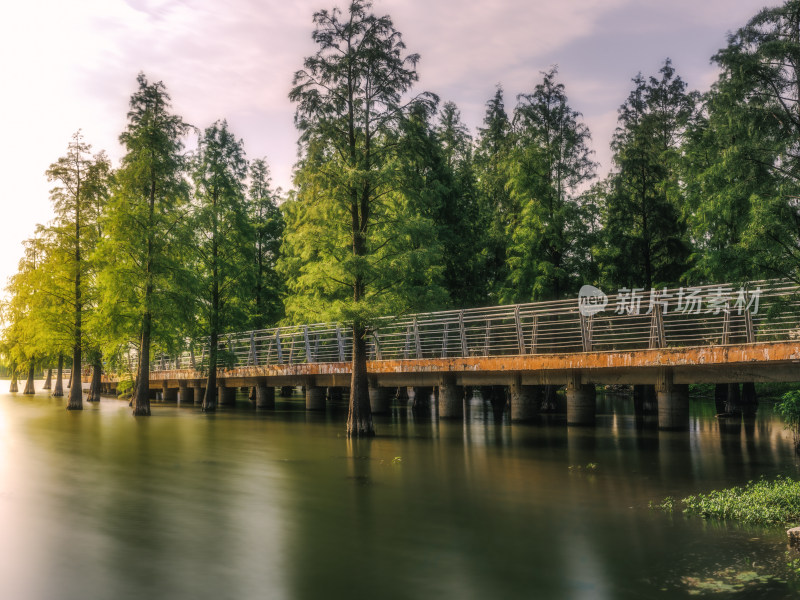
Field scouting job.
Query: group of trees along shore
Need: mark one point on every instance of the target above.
(396, 207)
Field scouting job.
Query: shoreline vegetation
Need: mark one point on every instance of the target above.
(761, 502)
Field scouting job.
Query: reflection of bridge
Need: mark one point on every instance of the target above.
(669, 338)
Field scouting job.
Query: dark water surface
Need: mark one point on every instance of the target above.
(279, 504)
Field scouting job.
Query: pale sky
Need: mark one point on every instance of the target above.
(73, 65)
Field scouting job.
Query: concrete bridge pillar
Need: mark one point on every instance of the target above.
(168, 394)
(197, 391)
(644, 399)
(673, 402)
(380, 399)
(184, 395)
(526, 400)
(315, 397)
(265, 395)
(226, 396)
(402, 396)
(581, 404)
(451, 398)
(422, 397)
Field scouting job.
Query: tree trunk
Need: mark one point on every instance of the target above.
(58, 389)
(49, 379)
(141, 398)
(29, 389)
(69, 381)
(359, 417)
(210, 399)
(75, 381)
(94, 386)
(13, 387)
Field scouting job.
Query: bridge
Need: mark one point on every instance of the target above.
(668, 338)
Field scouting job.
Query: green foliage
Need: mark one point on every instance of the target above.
(223, 232)
(788, 408)
(146, 284)
(547, 162)
(750, 170)
(356, 246)
(645, 242)
(496, 208)
(268, 224)
(759, 502)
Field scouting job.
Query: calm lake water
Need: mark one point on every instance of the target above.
(279, 504)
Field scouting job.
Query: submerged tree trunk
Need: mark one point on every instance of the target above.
(58, 389)
(29, 389)
(75, 381)
(49, 379)
(359, 417)
(13, 387)
(94, 386)
(141, 398)
(210, 398)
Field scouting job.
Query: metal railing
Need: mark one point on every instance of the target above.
(631, 320)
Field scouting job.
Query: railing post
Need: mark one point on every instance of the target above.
(586, 333)
(534, 333)
(463, 333)
(252, 358)
(278, 348)
(291, 350)
(657, 337)
(407, 347)
(487, 340)
(340, 343)
(726, 324)
(444, 340)
(377, 345)
(749, 329)
(309, 356)
(417, 341)
(520, 335)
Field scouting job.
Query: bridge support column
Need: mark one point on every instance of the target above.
(315, 397)
(184, 395)
(265, 395)
(644, 399)
(226, 396)
(422, 398)
(402, 396)
(168, 394)
(526, 400)
(451, 398)
(581, 404)
(198, 391)
(673, 402)
(380, 398)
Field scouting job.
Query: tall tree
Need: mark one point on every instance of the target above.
(79, 196)
(460, 227)
(145, 245)
(349, 97)
(498, 211)
(224, 240)
(646, 242)
(268, 224)
(547, 163)
(751, 215)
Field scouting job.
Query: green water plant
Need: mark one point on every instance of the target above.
(788, 408)
(761, 502)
